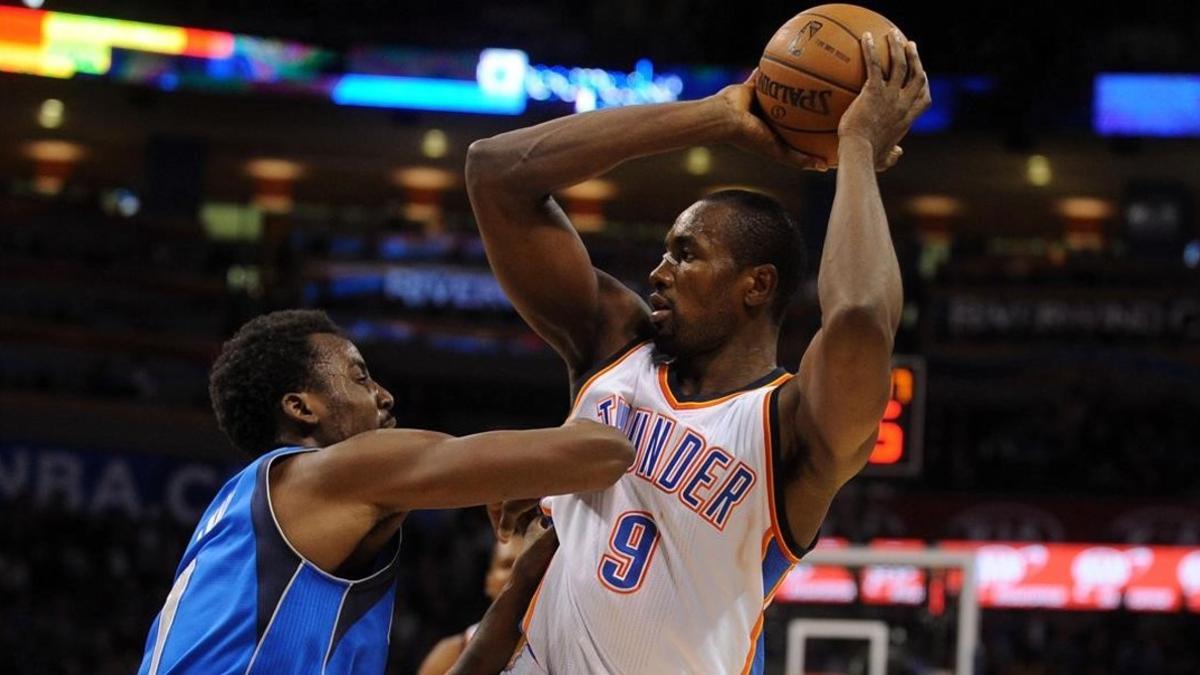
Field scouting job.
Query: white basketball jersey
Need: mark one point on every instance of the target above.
(670, 569)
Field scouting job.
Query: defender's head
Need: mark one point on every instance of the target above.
(289, 376)
(732, 258)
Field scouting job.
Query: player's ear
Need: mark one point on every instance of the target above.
(762, 280)
(301, 407)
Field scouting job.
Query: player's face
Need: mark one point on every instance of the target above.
(353, 402)
(694, 304)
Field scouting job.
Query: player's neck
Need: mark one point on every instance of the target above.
(295, 439)
(744, 358)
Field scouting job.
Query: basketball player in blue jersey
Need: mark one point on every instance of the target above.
(737, 460)
(292, 568)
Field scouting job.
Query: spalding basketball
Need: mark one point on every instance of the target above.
(811, 71)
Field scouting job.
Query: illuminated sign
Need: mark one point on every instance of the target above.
(1016, 575)
(497, 89)
(56, 44)
(423, 93)
(494, 82)
(1128, 104)
(593, 88)
(898, 449)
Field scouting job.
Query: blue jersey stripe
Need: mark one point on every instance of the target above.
(298, 638)
(775, 566)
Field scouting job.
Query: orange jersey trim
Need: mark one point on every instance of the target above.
(771, 502)
(692, 405)
(591, 380)
(528, 619)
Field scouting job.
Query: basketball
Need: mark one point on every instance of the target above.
(812, 69)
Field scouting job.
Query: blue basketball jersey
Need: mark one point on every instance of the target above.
(244, 601)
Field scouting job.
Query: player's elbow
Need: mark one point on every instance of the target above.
(486, 165)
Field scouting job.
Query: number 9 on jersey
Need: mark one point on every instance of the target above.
(630, 551)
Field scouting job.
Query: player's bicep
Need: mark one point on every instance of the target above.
(541, 263)
(844, 379)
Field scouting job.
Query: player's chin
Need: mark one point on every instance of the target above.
(664, 341)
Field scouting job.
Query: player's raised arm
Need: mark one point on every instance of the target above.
(845, 373)
(534, 251)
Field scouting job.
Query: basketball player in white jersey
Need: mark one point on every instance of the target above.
(670, 569)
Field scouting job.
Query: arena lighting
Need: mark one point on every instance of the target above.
(424, 178)
(592, 88)
(698, 161)
(50, 113)
(1010, 575)
(435, 144)
(424, 93)
(1084, 208)
(34, 60)
(57, 44)
(274, 169)
(935, 206)
(1037, 171)
(54, 151)
(1191, 254)
(1162, 105)
(595, 189)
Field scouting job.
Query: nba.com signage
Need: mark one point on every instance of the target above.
(134, 486)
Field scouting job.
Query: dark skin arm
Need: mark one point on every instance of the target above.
(830, 412)
(494, 643)
(328, 501)
(532, 247)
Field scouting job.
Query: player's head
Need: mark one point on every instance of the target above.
(504, 556)
(733, 257)
(292, 375)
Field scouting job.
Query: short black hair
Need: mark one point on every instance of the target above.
(268, 357)
(762, 232)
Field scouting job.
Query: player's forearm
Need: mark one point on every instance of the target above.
(493, 645)
(859, 275)
(535, 161)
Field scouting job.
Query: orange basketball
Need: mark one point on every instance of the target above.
(812, 69)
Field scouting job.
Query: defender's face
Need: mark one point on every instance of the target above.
(694, 304)
(353, 402)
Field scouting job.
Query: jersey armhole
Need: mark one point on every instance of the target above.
(580, 382)
(777, 484)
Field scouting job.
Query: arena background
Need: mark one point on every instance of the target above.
(161, 184)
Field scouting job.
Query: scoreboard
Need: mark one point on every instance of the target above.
(898, 450)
